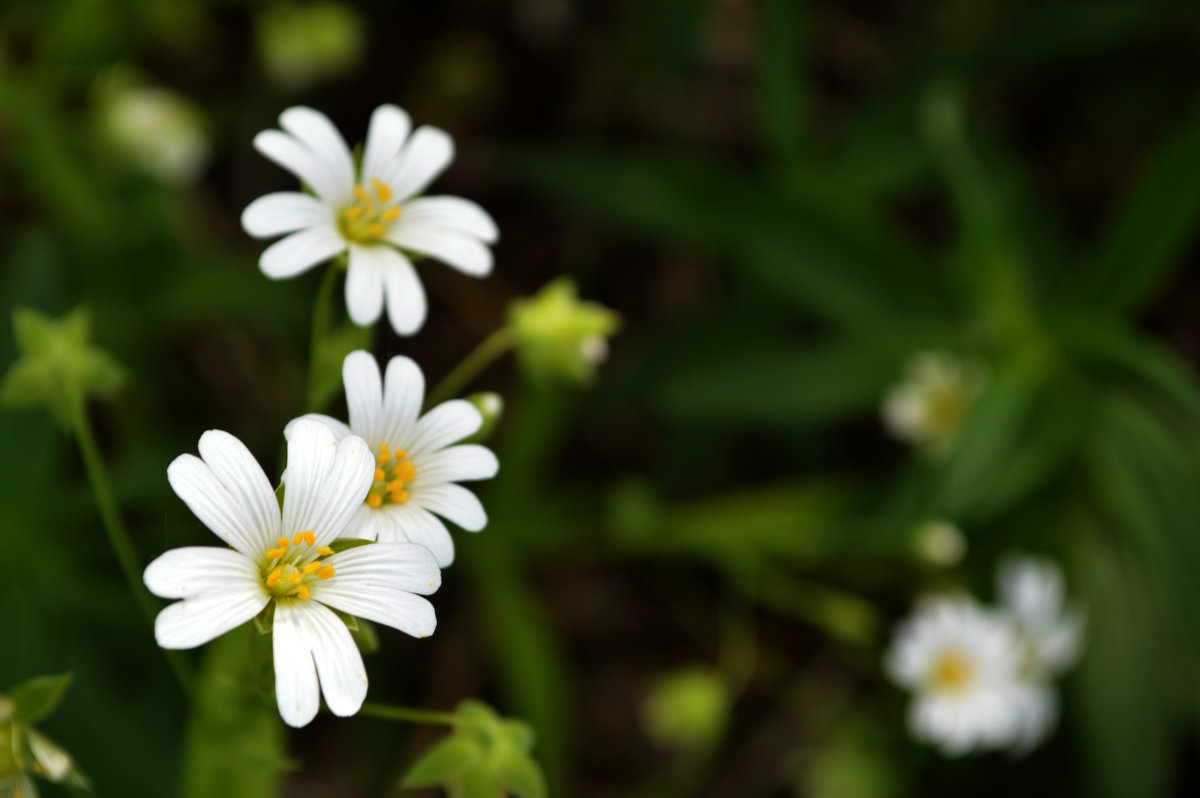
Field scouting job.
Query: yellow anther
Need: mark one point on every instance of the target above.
(353, 212)
(324, 551)
(325, 572)
(312, 566)
(399, 496)
(309, 537)
(374, 500)
(395, 485)
(375, 229)
(282, 543)
(391, 214)
(405, 471)
(295, 577)
(299, 536)
(37, 767)
(361, 193)
(400, 454)
(275, 554)
(379, 475)
(302, 592)
(382, 189)
(384, 454)
(273, 577)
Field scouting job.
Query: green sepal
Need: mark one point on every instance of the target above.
(345, 544)
(264, 622)
(447, 760)
(519, 774)
(38, 697)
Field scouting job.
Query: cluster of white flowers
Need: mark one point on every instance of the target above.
(983, 678)
(358, 530)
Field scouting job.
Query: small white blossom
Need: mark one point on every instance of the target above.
(371, 210)
(962, 662)
(928, 407)
(417, 467)
(283, 556)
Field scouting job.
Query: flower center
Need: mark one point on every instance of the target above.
(952, 671)
(368, 219)
(391, 475)
(294, 564)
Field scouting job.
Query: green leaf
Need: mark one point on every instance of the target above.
(519, 774)
(783, 91)
(447, 760)
(37, 698)
(1151, 231)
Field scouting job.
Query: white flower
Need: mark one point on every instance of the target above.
(928, 407)
(962, 661)
(284, 557)
(417, 467)
(159, 130)
(372, 211)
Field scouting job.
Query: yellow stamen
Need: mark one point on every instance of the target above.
(405, 471)
(325, 572)
(312, 566)
(282, 543)
(379, 475)
(361, 193)
(275, 554)
(324, 551)
(309, 537)
(374, 500)
(384, 454)
(299, 536)
(399, 496)
(295, 577)
(400, 454)
(302, 592)
(273, 578)
(353, 212)
(382, 189)
(375, 229)
(391, 214)
(395, 485)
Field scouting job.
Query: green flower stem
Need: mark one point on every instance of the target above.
(322, 324)
(472, 365)
(408, 715)
(114, 527)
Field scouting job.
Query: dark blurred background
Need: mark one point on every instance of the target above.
(784, 200)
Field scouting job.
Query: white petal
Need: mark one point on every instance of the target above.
(233, 520)
(414, 524)
(194, 621)
(364, 394)
(423, 158)
(454, 503)
(284, 212)
(196, 570)
(326, 481)
(452, 213)
(459, 463)
(403, 395)
(232, 463)
(385, 136)
(406, 303)
(362, 525)
(296, 688)
(315, 131)
(403, 566)
(445, 424)
(339, 665)
(455, 249)
(298, 159)
(300, 251)
(338, 428)
(364, 284)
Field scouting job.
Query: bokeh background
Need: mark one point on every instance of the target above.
(784, 200)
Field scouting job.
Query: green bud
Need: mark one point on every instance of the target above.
(491, 406)
(8, 758)
(159, 131)
(687, 709)
(557, 337)
(35, 699)
(58, 366)
(939, 542)
(300, 45)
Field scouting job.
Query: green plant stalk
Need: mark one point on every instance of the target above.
(322, 322)
(408, 715)
(495, 345)
(114, 527)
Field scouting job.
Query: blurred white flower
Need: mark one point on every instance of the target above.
(372, 211)
(283, 556)
(417, 468)
(928, 407)
(962, 662)
(940, 542)
(159, 130)
(1032, 594)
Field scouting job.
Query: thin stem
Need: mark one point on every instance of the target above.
(408, 715)
(322, 322)
(114, 527)
(472, 365)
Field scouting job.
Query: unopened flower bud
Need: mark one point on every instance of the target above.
(559, 337)
(303, 44)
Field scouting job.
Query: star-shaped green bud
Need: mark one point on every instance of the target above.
(557, 336)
